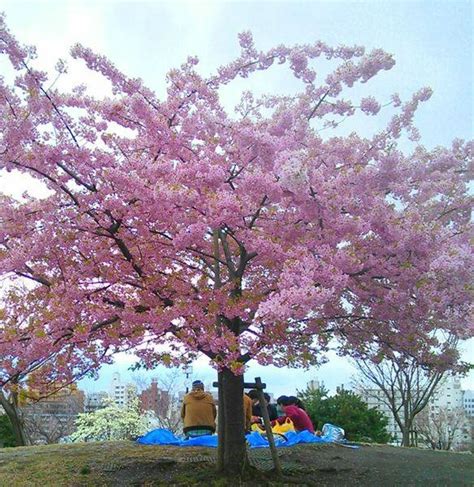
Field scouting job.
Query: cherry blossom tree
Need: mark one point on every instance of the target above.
(178, 227)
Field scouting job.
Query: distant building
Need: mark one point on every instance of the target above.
(468, 403)
(375, 398)
(156, 400)
(314, 385)
(449, 397)
(95, 401)
(122, 393)
(448, 394)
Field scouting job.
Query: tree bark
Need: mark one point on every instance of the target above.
(406, 436)
(232, 455)
(16, 421)
(220, 423)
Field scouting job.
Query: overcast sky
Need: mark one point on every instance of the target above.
(431, 42)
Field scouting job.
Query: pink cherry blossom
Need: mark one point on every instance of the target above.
(243, 237)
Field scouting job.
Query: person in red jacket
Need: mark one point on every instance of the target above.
(300, 418)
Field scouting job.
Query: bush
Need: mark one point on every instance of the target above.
(7, 437)
(112, 423)
(347, 410)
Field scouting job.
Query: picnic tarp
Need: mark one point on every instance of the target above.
(254, 439)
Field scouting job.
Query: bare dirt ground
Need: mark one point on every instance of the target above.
(123, 463)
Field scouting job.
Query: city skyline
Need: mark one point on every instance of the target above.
(338, 371)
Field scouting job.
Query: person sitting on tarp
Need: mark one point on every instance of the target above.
(296, 402)
(247, 413)
(198, 412)
(257, 409)
(299, 417)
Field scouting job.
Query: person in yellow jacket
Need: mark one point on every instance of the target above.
(198, 412)
(248, 403)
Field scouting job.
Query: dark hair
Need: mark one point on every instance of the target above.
(284, 401)
(267, 397)
(253, 394)
(297, 402)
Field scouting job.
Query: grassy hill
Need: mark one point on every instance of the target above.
(123, 463)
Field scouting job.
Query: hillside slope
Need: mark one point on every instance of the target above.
(123, 463)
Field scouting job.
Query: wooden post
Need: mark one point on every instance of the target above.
(267, 423)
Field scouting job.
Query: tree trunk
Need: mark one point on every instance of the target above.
(406, 435)
(16, 421)
(220, 423)
(232, 455)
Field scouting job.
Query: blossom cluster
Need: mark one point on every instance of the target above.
(174, 228)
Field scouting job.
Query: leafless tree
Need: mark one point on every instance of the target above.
(170, 414)
(402, 385)
(167, 408)
(141, 381)
(47, 428)
(441, 428)
(49, 420)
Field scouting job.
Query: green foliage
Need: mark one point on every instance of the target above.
(347, 410)
(7, 437)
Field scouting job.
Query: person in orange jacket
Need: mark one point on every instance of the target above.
(247, 413)
(198, 412)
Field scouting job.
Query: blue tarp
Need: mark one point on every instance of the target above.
(159, 437)
(254, 439)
